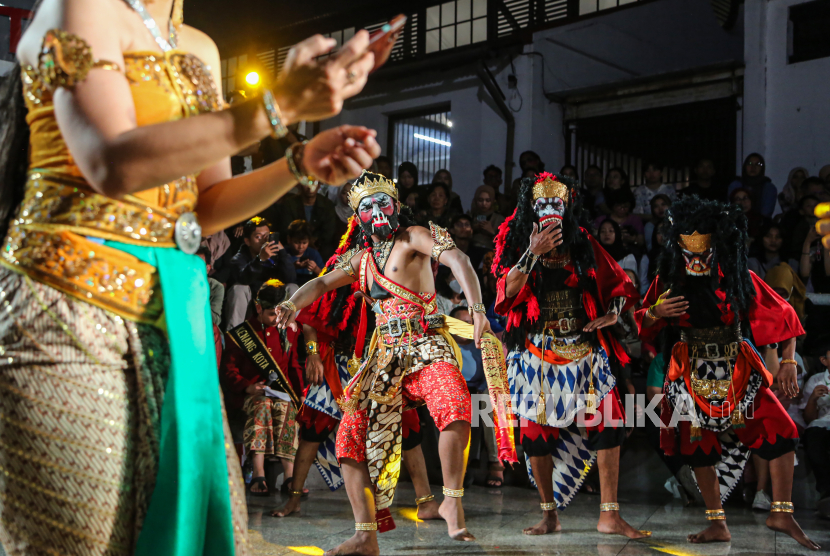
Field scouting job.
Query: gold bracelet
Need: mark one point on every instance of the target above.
(424, 499)
(288, 304)
(311, 348)
(609, 507)
(715, 515)
(294, 160)
(789, 361)
(371, 526)
(453, 493)
(295, 492)
(548, 506)
(650, 313)
(782, 507)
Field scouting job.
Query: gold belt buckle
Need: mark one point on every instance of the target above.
(711, 389)
(565, 325)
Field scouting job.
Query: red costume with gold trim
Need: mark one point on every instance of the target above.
(718, 405)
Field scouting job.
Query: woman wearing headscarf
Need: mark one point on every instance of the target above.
(486, 221)
(755, 221)
(791, 193)
(407, 179)
(761, 189)
(786, 283)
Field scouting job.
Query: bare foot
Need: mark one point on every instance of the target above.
(453, 513)
(429, 510)
(363, 543)
(716, 532)
(611, 523)
(293, 506)
(549, 524)
(786, 523)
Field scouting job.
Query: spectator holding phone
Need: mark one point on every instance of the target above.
(306, 259)
(486, 221)
(261, 257)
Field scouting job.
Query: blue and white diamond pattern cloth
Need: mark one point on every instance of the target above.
(320, 397)
(734, 454)
(564, 386)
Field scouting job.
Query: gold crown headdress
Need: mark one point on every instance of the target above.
(548, 186)
(369, 184)
(696, 243)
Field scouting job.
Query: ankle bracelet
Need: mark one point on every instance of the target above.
(424, 499)
(715, 515)
(453, 493)
(371, 526)
(609, 507)
(548, 506)
(782, 507)
(295, 493)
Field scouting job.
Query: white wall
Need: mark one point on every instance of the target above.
(641, 41)
(786, 111)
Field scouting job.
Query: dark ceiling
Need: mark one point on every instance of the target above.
(235, 24)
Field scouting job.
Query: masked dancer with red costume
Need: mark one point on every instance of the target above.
(711, 312)
(560, 292)
(411, 360)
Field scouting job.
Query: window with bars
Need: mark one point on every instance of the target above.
(591, 6)
(454, 24)
(422, 138)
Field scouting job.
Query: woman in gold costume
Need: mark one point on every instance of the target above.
(114, 136)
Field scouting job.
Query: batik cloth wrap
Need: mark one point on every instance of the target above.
(564, 383)
(83, 385)
(722, 430)
(271, 427)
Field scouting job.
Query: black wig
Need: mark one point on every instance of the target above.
(521, 224)
(728, 227)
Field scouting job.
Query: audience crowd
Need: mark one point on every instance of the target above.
(292, 240)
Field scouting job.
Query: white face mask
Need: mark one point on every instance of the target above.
(455, 286)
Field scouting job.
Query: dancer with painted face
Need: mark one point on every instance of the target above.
(561, 291)
(411, 360)
(328, 328)
(710, 312)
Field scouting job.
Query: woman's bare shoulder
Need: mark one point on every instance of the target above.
(199, 44)
(90, 20)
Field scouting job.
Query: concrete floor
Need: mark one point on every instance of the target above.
(497, 518)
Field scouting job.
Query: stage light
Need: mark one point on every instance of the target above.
(252, 78)
(432, 140)
(449, 123)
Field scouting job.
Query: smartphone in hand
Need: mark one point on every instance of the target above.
(382, 41)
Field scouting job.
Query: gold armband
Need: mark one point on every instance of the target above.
(442, 238)
(66, 59)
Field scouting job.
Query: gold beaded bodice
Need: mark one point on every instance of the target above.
(56, 234)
